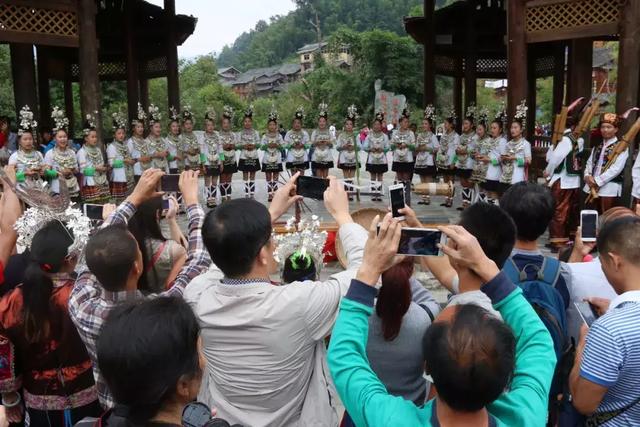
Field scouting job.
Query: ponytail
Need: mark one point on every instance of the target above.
(394, 298)
(48, 251)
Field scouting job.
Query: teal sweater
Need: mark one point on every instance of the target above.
(367, 401)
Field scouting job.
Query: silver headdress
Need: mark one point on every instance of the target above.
(305, 240)
(352, 113)
(248, 113)
(521, 112)
(27, 124)
(60, 120)
(451, 114)
(119, 120)
(154, 114)
(379, 117)
(210, 114)
(299, 113)
(141, 117)
(173, 114)
(406, 113)
(90, 123)
(227, 112)
(501, 114)
(187, 114)
(273, 114)
(471, 112)
(46, 208)
(430, 113)
(483, 115)
(323, 110)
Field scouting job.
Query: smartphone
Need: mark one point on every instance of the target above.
(311, 187)
(93, 211)
(420, 241)
(589, 225)
(396, 195)
(165, 207)
(586, 312)
(169, 183)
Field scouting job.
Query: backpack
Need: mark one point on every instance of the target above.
(547, 302)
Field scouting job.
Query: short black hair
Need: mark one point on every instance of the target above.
(531, 207)
(493, 228)
(471, 358)
(110, 255)
(234, 233)
(621, 236)
(144, 348)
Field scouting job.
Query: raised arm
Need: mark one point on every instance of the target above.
(11, 211)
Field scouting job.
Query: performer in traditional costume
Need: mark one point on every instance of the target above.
(120, 158)
(426, 148)
(138, 144)
(297, 142)
(249, 164)
(322, 142)
(516, 154)
(272, 143)
(449, 141)
(403, 142)
(487, 171)
(347, 145)
(175, 159)
(157, 146)
(211, 144)
(606, 181)
(95, 184)
(28, 161)
(190, 145)
(61, 160)
(464, 156)
(563, 171)
(376, 145)
(228, 142)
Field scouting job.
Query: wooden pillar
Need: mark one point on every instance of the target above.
(628, 78)
(531, 97)
(23, 71)
(144, 93)
(470, 59)
(457, 101)
(88, 62)
(516, 55)
(558, 77)
(44, 95)
(429, 53)
(173, 81)
(579, 79)
(132, 62)
(67, 86)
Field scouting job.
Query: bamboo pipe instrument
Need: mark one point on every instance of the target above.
(620, 148)
(561, 122)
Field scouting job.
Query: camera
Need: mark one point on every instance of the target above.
(197, 414)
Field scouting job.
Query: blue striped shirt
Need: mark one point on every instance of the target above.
(611, 358)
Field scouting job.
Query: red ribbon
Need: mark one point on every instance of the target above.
(46, 267)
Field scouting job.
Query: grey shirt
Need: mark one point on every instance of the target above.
(400, 363)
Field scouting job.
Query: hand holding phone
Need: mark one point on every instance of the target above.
(586, 312)
(169, 183)
(93, 211)
(420, 241)
(396, 195)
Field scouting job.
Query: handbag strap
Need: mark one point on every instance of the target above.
(599, 418)
(156, 256)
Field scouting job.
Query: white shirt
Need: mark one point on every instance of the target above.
(264, 344)
(556, 157)
(585, 279)
(629, 296)
(494, 171)
(603, 179)
(524, 153)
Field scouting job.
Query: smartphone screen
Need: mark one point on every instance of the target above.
(589, 221)
(396, 194)
(170, 183)
(311, 187)
(586, 312)
(93, 211)
(420, 242)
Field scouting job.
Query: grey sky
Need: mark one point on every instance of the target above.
(221, 21)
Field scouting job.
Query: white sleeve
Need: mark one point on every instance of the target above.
(48, 158)
(615, 169)
(82, 158)
(555, 156)
(589, 166)
(13, 158)
(635, 173)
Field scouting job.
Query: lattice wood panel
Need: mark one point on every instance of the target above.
(572, 14)
(37, 20)
(444, 64)
(106, 70)
(491, 65)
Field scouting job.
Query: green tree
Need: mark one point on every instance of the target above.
(7, 107)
